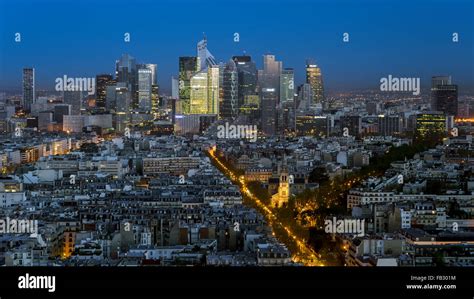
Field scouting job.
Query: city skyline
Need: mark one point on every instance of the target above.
(197, 142)
(379, 50)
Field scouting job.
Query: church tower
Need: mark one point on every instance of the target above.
(283, 194)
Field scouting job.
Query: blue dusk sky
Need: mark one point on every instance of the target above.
(82, 38)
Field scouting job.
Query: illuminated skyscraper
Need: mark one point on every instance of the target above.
(154, 83)
(199, 93)
(315, 80)
(125, 69)
(126, 72)
(204, 97)
(269, 77)
(268, 106)
(203, 82)
(431, 123)
(188, 66)
(28, 88)
(269, 84)
(123, 107)
(287, 85)
(153, 68)
(123, 98)
(145, 79)
(230, 101)
(102, 81)
(213, 90)
(247, 78)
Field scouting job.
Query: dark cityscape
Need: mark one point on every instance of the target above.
(228, 142)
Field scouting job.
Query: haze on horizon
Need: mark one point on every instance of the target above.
(84, 38)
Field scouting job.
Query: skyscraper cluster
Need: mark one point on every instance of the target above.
(204, 90)
(237, 90)
(133, 92)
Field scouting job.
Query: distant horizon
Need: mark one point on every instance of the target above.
(87, 44)
(425, 88)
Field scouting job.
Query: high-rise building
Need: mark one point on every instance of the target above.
(123, 99)
(431, 122)
(155, 98)
(110, 103)
(204, 97)
(444, 95)
(45, 119)
(59, 111)
(247, 78)
(304, 99)
(125, 69)
(188, 66)
(269, 85)
(205, 57)
(269, 77)
(353, 123)
(268, 106)
(174, 88)
(287, 85)
(213, 90)
(123, 107)
(73, 98)
(389, 125)
(28, 88)
(440, 80)
(230, 99)
(126, 72)
(221, 85)
(286, 108)
(154, 71)
(286, 118)
(315, 80)
(145, 81)
(102, 81)
(154, 83)
(199, 93)
(199, 83)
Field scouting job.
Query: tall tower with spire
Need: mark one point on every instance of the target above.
(205, 57)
